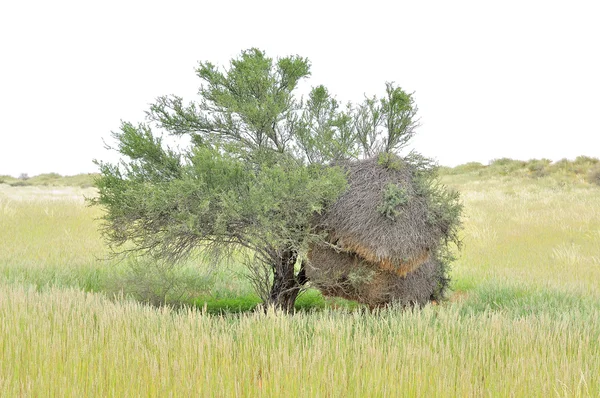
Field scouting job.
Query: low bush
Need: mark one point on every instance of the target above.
(6, 179)
(584, 164)
(506, 166)
(45, 179)
(79, 180)
(580, 166)
(160, 283)
(586, 161)
(468, 167)
(594, 175)
(538, 168)
(19, 183)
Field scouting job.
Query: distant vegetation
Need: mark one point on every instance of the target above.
(50, 179)
(583, 168)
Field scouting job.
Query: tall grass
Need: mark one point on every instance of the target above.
(539, 233)
(49, 236)
(68, 343)
(524, 319)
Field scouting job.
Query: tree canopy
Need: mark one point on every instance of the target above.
(259, 164)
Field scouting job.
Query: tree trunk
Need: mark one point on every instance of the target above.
(286, 285)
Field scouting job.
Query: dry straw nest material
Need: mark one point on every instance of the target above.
(343, 274)
(384, 233)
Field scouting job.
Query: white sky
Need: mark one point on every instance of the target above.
(517, 79)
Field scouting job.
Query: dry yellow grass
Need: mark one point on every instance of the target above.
(68, 343)
(541, 233)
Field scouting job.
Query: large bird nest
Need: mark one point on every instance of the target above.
(346, 275)
(383, 233)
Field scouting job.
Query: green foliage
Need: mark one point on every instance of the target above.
(444, 257)
(444, 208)
(539, 168)
(19, 183)
(22, 181)
(594, 175)
(259, 166)
(506, 166)
(49, 176)
(309, 301)
(325, 133)
(251, 105)
(390, 161)
(228, 305)
(159, 283)
(580, 166)
(218, 200)
(399, 111)
(470, 167)
(79, 180)
(393, 198)
(586, 161)
(386, 124)
(44, 179)
(6, 179)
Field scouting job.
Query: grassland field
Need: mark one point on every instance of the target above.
(522, 319)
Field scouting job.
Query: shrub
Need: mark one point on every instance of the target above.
(19, 183)
(45, 179)
(564, 166)
(584, 164)
(390, 161)
(79, 180)
(159, 283)
(445, 170)
(594, 175)
(538, 168)
(394, 196)
(586, 161)
(467, 168)
(505, 166)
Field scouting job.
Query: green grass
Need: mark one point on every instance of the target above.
(523, 320)
(308, 301)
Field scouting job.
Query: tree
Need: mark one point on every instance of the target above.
(259, 166)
